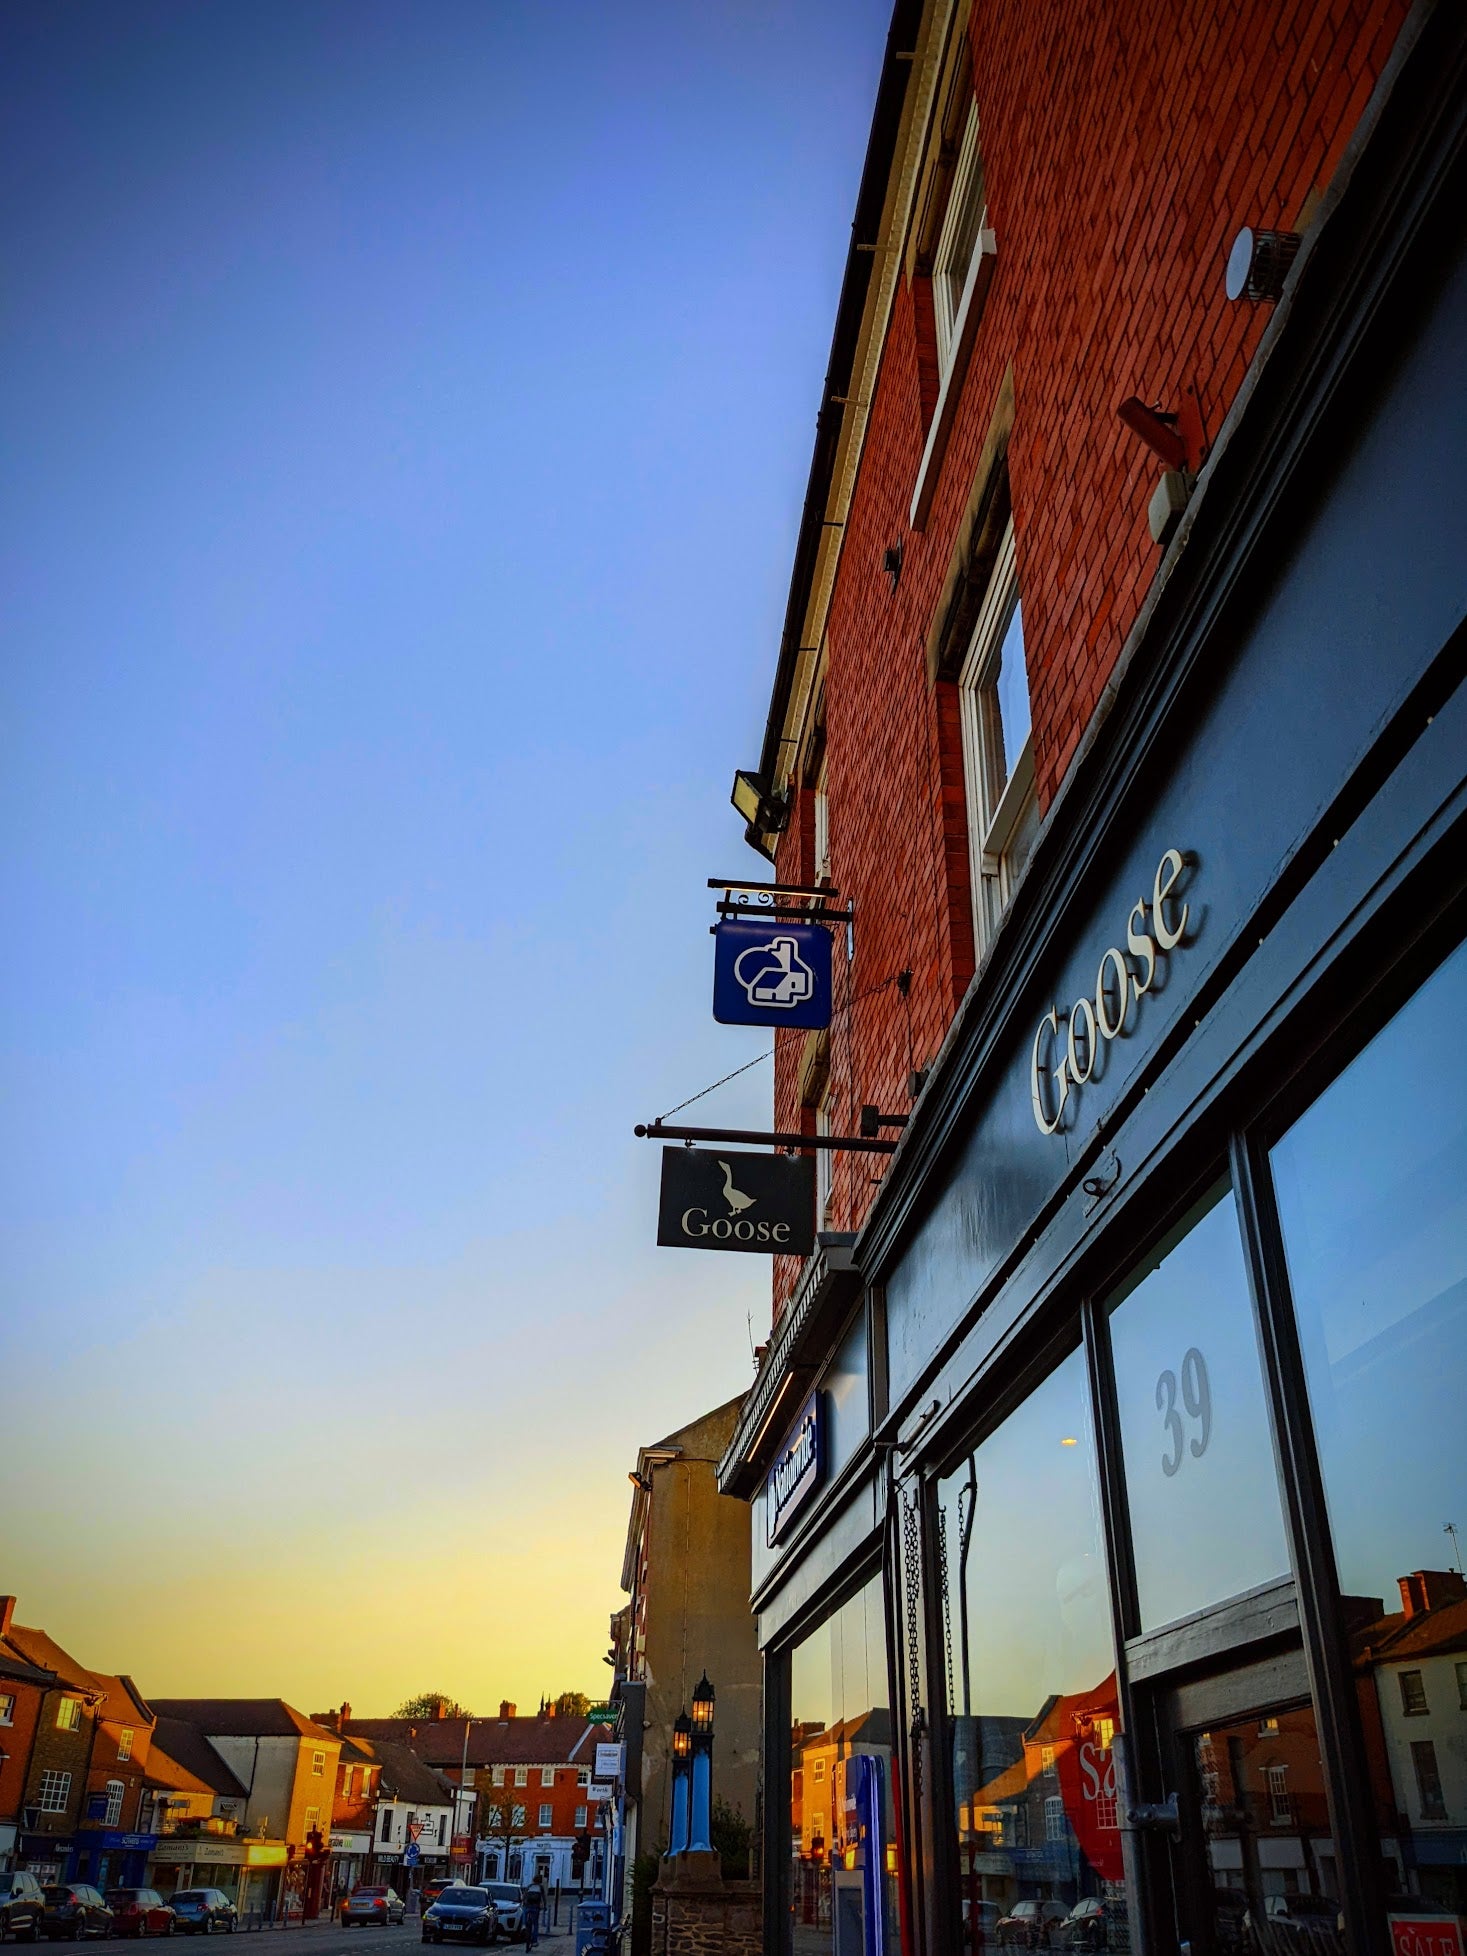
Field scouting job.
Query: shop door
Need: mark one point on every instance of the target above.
(1258, 1872)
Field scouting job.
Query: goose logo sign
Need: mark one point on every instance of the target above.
(767, 973)
(763, 1204)
(797, 1468)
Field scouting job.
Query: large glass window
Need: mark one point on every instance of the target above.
(840, 1777)
(1371, 1185)
(1206, 1519)
(1031, 1686)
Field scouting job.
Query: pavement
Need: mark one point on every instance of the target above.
(317, 1938)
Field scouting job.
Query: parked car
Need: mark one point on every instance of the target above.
(431, 1890)
(372, 1905)
(21, 1906)
(980, 1923)
(139, 1912)
(462, 1914)
(509, 1909)
(1085, 1927)
(1029, 1925)
(1310, 1924)
(204, 1911)
(74, 1910)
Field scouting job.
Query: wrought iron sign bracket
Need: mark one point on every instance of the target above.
(762, 900)
(753, 1137)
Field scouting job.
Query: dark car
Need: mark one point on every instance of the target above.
(74, 1910)
(1029, 1925)
(374, 1906)
(139, 1912)
(461, 1914)
(204, 1911)
(21, 1906)
(1084, 1927)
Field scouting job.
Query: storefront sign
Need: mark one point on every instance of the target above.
(798, 1468)
(764, 1204)
(1425, 1935)
(609, 1761)
(603, 1715)
(600, 1790)
(200, 1853)
(1060, 1066)
(771, 974)
(144, 1843)
(351, 1843)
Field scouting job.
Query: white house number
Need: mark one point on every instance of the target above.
(1195, 1393)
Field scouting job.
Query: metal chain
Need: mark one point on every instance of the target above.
(912, 1589)
(716, 1085)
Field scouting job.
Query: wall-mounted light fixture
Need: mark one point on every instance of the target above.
(759, 806)
(1157, 429)
(891, 563)
(1259, 263)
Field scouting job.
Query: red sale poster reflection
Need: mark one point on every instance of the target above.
(1081, 1728)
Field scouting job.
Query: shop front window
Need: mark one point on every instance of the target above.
(842, 1844)
(1031, 1683)
(1202, 1492)
(1371, 1186)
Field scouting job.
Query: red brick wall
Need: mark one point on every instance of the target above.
(1123, 148)
(16, 1740)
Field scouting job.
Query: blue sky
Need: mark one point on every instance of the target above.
(406, 417)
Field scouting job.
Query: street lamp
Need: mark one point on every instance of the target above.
(701, 1823)
(682, 1746)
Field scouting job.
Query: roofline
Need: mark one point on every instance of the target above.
(881, 151)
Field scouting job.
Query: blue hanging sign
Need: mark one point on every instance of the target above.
(797, 1470)
(771, 974)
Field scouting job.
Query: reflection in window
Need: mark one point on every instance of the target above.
(1371, 1185)
(1206, 1519)
(840, 1719)
(1031, 1690)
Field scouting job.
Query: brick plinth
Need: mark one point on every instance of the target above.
(696, 1913)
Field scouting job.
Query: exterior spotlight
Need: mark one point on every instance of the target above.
(1156, 429)
(760, 808)
(1259, 263)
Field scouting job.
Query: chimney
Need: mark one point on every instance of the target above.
(343, 1715)
(440, 1710)
(7, 1611)
(1429, 1589)
(506, 1709)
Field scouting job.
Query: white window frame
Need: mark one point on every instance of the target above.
(547, 1815)
(580, 1819)
(996, 808)
(521, 1775)
(69, 1715)
(824, 1159)
(822, 826)
(496, 1774)
(1056, 1827)
(7, 1707)
(54, 1791)
(547, 1775)
(116, 1794)
(517, 1816)
(1413, 1694)
(313, 1819)
(124, 1743)
(1280, 1803)
(952, 292)
(583, 1776)
(318, 1765)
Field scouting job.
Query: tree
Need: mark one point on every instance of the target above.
(731, 1838)
(502, 1817)
(427, 1704)
(571, 1704)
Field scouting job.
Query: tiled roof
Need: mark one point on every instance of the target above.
(37, 1648)
(492, 1741)
(20, 1669)
(404, 1775)
(1393, 1638)
(180, 1758)
(122, 1699)
(242, 1718)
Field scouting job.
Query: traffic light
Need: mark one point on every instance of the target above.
(316, 1846)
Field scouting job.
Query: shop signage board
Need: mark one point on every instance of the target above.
(1425, 1935)
(768, 973)
(798, 1468)
(601, 1790)
(603, 1715)
(763, 1205)
(608, 1761)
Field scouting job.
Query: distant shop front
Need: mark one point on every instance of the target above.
(251, 1873)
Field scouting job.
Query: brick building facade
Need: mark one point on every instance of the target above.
(1121, 698)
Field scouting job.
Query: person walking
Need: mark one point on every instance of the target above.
(534, 1905)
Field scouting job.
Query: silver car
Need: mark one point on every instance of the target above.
(373, 1906)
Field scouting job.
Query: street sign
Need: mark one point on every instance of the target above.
(412, 1856)
(771, 974)
(761, 1204)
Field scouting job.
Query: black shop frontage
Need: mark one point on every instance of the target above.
(1126, 1537)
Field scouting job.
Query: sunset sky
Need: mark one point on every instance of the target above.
(407, 412)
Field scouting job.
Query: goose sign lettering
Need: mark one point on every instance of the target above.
(771, 973)
(719, 1199)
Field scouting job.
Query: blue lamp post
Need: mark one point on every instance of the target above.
(702, 1746)
(682, 1745)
